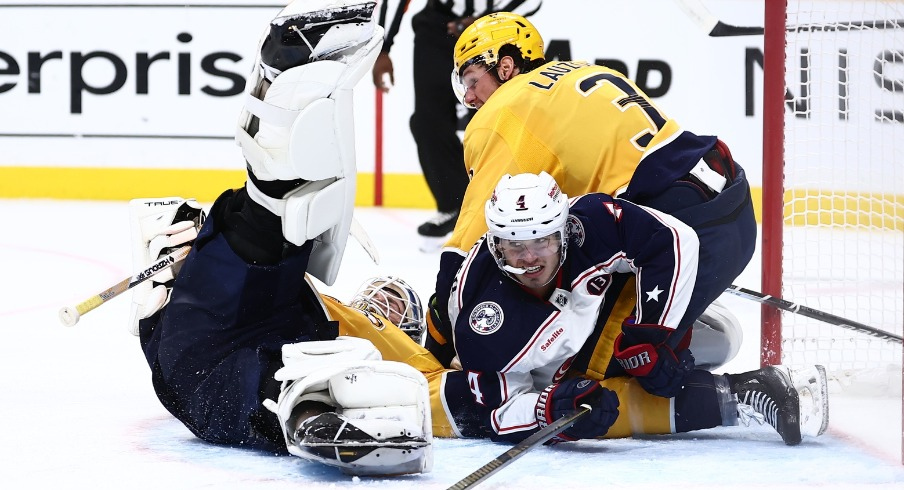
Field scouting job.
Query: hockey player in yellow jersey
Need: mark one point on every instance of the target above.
(593, 130)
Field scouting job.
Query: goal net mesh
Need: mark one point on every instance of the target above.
(843, 229)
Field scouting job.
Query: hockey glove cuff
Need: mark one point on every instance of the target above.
(561, 399)
(658, 369)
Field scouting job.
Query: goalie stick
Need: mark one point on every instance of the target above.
(70, 315)
(711, 24)
(814, 314)
(518, 450)
(713, 27)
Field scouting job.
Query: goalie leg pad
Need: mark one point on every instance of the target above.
(381, 424)
(298, 122)
(716, 337)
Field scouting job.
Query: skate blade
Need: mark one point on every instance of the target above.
(812, 388)
(430, 244)
(406, 444)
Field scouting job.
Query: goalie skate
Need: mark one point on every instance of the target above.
(330, 436)
(812, 389)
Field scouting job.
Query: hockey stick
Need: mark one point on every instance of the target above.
(70, 315)
(710, 24)
(518, 450)
(814, 314)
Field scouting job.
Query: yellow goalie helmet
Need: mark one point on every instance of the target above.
(481, 41)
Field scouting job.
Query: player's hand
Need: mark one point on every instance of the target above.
(382, 69)
(659, 369)
(456, 27)
(562, 398)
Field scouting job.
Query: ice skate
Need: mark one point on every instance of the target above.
(435, 231)
(812, 390)
(768, 395)
(332, 436)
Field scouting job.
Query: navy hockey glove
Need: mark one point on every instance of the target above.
(659, 369)
(562, 398)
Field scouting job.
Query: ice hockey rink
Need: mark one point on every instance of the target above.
(79, 410)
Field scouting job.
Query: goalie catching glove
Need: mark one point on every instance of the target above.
(560, 399)
(159, 226)
(342, 406)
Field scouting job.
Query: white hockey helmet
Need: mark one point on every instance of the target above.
(393, 299)
(524, 208)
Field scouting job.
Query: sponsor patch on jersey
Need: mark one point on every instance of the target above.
(486, 318)
(575, 230)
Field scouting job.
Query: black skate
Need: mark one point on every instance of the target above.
(439, 225)
(334, 434)
(332, 439)
(434, 231)
(768, 395)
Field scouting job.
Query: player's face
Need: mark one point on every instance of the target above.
(392, 307)
(540, 257)
(478, 85)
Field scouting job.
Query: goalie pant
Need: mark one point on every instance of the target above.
(214, 349)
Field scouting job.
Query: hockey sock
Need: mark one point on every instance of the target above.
(697, 404)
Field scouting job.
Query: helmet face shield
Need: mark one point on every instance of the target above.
(462, 83)
(532, 247)
(526, 218)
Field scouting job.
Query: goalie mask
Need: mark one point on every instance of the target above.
(393, 299)
(526, 218)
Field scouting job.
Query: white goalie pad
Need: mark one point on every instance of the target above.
(303, 358)
(384, 399)
(298, 123)
(716, 337)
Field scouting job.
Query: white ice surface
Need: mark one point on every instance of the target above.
(78, 410)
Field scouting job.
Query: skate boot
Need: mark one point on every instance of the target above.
(330, 436)
(768, 395)
(435, 230)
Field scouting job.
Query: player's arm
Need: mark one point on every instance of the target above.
(474, 404)
(383, 67)
(662, 252)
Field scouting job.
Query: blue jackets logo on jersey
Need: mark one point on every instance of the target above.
(575, 230)
(486, 318)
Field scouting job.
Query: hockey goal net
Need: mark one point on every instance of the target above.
(833, 186)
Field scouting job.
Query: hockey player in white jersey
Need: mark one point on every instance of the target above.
(242, 349)
(532, 304)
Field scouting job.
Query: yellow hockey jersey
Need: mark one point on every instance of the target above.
(586, 125)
